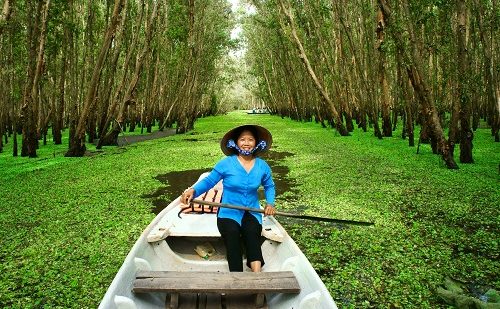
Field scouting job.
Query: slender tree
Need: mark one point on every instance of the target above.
(329, 103)
(420, 85)
(466, 134)
(129, 95)
(384, 86)
(29, 109)
(77, 147)
(491, 79)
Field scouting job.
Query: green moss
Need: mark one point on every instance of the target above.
(66, 224)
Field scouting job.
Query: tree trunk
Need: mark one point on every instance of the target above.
(329, 104)
(5, 15)
(31, 95)
(132, 116)
(152, 97)
(130, 93)
(45, 116)
(58, 122)
(348, 121)
(26, 112)
(77, 147)
(362, 82)
(491, 83)
(408, 112)
(112, 119)
(384, 88)
(109, 102)
(395, 113)
(14, 144)
(454, 133)
(91, 126)
(422, 90)
(184, 121)
(466, 134)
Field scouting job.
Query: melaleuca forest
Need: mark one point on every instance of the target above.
(385, 112)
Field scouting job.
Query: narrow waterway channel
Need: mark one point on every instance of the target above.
(175, 182)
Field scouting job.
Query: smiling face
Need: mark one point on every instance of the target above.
(246, 140)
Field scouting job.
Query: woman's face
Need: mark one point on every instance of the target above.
(246, 141)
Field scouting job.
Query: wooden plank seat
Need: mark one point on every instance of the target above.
(216, 282)
(178, 282)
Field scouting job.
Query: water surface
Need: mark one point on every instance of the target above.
(178, 181)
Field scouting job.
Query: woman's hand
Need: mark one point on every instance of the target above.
(187, 196)
(269, 210)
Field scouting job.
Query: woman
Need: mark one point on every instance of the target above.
(242, 173)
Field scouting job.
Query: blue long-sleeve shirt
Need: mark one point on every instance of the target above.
(240, 186)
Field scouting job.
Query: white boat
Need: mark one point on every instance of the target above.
(168, 247)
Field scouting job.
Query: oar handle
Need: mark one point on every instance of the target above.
(286, 214)
(202, 202)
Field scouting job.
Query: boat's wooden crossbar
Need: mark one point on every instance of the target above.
(216, 282)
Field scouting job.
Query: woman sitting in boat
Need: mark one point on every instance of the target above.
(242, 172)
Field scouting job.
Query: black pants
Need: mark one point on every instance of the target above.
(232, 234)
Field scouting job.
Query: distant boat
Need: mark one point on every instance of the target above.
(180, 263)
(258, 111)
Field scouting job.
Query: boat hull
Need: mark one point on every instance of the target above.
(169, 243)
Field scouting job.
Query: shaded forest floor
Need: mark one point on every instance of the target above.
(66, 224)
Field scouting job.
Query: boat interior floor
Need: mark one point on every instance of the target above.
(215, 301)
(186, 247)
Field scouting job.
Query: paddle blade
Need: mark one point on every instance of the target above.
(339, 221)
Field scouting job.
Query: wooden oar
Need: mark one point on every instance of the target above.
(285, 214)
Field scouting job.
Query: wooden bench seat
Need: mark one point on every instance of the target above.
(216, 282)
(177, 282)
